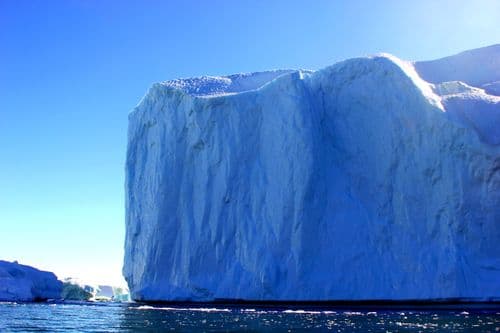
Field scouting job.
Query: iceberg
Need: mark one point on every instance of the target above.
(27, 284)
(76, 289)
(75, 292)
(366, 180)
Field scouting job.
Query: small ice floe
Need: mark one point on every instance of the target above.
(143, 307)
(302, 312)
(255, 311)
(148, 307)
(248, 310)
(329, 312)
(349, 313)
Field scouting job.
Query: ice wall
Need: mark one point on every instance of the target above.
(349, 183)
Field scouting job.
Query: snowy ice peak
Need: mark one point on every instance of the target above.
(463, 85)
(477, 68)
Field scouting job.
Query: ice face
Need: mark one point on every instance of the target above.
(353, 182)
(25, 283)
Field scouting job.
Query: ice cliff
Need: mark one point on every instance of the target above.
(25, 283)
(358, 181)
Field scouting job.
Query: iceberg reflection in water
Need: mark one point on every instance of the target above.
(99, 317)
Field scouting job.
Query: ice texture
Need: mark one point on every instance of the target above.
(353, 182)
(216, 85)
(25, 283)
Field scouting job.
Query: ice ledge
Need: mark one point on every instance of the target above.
(210, 86)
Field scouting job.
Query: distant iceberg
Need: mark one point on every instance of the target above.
(25, 283)
(372, 179)
(76, 289)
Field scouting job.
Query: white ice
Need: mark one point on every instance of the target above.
(357, 181)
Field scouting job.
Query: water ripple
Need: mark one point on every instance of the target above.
(95, 317)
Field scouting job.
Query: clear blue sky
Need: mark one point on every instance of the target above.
(70, 71)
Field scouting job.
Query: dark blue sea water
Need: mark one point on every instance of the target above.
(99, 317)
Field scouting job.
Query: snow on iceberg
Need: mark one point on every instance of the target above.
(25, 283)
(476, 67)
(215, 85)
(469, 85)
(349, 183)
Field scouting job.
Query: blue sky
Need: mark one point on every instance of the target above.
(70, 71)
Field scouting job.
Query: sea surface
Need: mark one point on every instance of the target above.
(116, 317)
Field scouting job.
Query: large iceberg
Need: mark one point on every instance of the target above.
(360, 181)
(25, 283)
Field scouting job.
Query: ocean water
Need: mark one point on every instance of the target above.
(101, 317)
